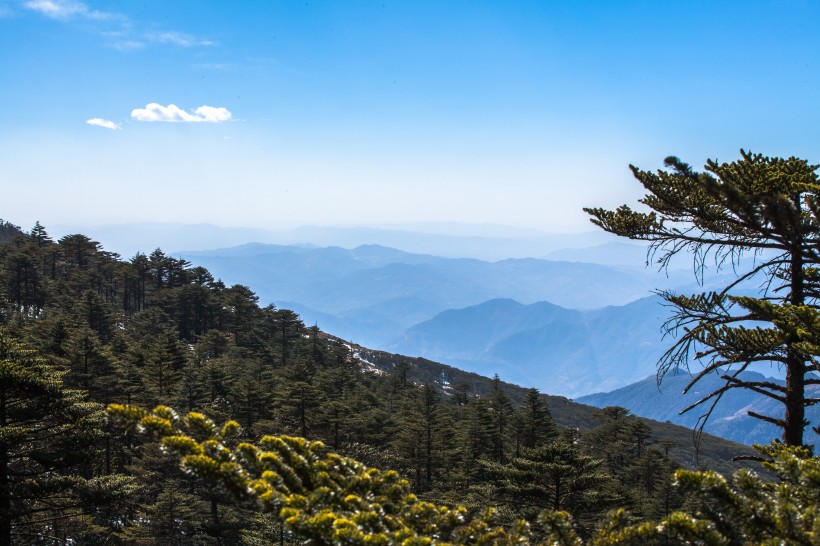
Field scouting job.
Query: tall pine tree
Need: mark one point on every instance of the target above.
(766, 207)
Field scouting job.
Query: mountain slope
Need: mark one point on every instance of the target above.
(559, 350)
(714, 452)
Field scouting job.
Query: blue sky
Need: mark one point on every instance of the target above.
(354, 112)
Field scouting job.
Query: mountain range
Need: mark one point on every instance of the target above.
(583, 321)
(449, 239)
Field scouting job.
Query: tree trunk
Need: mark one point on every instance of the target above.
(795, 366)
(795, 409)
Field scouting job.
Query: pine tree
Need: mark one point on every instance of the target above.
(9, 231)
(77, 251)
(766, 207)
(165, 357)
(240, 310)
(192, 392)
(533, 423)
(501, 410)
(21, 279)
(554, 476)
(251, 390)
(89, 364)
(48, 447)
(39, 235)
(419, 438)
(138, 285)
(287, 330)
(642, 475)
(175, 517)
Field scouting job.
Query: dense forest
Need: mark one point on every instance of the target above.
(81, 328)
(152, 330)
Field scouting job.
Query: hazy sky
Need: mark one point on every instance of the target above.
(358, 112)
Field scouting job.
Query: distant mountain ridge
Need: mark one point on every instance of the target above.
(664, 401)
(613, 254)
(486, 242)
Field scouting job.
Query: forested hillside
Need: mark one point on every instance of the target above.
(82, 328)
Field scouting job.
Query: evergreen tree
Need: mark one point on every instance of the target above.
(287, 330)
(164, 359)
(169, 506)
(320, 497)
(240, 310)
(9, 231)
(347, 401)
(419, 437)
(175, 517)
(21, 278)
(477, 440)
(642, 475)
(77, 251)
(154, 330)
(501, 410)
(137, 284)
(191, 390)
(652, 493)
(216, 377)
(251, 391)
(766, 207)
(48, 448)
(129, 381)
(533, 423)
(554, 476)
(39, 235)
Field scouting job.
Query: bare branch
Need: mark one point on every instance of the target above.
(779, 422)
(756, 386)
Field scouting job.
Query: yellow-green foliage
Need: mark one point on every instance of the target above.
(317, 494)
(330, 499)
(743, 510)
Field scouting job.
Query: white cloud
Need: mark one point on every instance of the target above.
(128, 45)
(178, 39)
(120, 28)
(99, 122)
(172, 113)
(66, 9)
(211, 66)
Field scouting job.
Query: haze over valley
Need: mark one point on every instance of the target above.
(581, 318)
